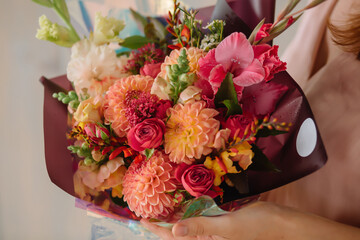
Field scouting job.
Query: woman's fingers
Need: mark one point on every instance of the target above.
(162, 232)
(199, 226)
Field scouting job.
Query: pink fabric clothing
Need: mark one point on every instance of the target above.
(333, 91)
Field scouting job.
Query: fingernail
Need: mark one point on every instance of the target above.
(181, 230)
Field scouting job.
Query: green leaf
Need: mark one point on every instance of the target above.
(202, 206)
(159, 27)
(233, 107)
(149, 152)
(135, 42)
(291, 5)
(265, 132)
(45, 3)
(240, 181)
(62, 7)
(141, 20)
(260, 162)
(255, 31)
(150, 31)
(227, 96)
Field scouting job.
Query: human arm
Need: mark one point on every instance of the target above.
(260, 220)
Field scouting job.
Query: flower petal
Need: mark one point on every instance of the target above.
(253, 74)
(234, 51)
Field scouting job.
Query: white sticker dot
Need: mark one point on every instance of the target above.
(306, 138)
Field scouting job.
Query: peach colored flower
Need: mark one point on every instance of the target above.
(221, 139)
(106, 176)
(115, 104)
(190, 131)
(161, 86)
(147, 186)
(89, 110)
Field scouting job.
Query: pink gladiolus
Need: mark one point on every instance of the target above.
(234, 54)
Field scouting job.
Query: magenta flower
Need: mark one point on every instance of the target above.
(234, 54)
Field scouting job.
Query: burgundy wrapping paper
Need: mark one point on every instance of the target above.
(59, 161)
(281, 150)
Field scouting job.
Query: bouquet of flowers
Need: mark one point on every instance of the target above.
(165, 126)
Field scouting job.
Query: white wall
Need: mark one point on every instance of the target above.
(31, 207)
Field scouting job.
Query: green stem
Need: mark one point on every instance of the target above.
(67, 22)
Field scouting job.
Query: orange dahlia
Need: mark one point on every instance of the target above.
(190, 131)
(147, 185)
(115, 107)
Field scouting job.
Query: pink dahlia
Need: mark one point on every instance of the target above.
(117, 100)
(190, 131)
(147, 185)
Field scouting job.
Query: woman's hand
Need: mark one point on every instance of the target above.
(250, 222)
(260, 220)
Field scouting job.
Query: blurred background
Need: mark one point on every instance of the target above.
(31, 207)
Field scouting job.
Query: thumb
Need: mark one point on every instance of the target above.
(198, 226)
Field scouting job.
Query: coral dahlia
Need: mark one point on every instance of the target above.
(190, 131)
(117, 100)
(147, 185)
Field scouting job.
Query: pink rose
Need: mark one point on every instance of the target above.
(263, 31)
(147, 134)
(151, 69)
(196, 179)
(268, 57)
(238, 123)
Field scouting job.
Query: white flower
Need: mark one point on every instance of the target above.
(55, 33)
(93, 69)
(107, 29)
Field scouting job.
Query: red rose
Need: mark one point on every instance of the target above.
(147, 134)
(268, 56)
(198, 180)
